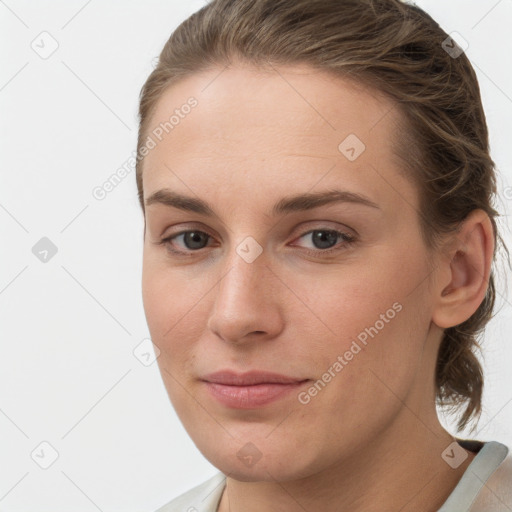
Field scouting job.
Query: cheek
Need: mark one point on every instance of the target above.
(366, 325)
(340, 305)
(155, 298)
(162, 307)
(363, 375)
(170, 318)
(175, 312)
(163, 293)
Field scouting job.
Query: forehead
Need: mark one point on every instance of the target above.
(284, 125)
(297, 99)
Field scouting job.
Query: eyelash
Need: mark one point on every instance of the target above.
(348, 240)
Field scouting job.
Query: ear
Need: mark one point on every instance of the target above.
(464, 272)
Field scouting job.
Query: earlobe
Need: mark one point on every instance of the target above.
(467, 268)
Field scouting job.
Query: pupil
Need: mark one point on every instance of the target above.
(193, 237)
(320, 239)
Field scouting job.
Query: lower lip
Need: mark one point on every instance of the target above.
(249, 397)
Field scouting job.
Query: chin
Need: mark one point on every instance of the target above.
(247, 463)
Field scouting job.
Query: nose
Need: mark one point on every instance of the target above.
(246, 305)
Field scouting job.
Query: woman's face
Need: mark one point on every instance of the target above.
(332, 294)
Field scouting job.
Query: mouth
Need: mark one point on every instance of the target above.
(251, 389)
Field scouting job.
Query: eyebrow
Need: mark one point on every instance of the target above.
(289, 204)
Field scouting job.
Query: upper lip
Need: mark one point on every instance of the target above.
(231, 378)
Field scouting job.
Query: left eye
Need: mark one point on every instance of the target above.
(326, 239)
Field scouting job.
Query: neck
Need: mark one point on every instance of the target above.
(401, 469)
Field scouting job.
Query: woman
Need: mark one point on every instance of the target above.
(319, 244)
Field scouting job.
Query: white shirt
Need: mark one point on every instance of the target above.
(485, 486)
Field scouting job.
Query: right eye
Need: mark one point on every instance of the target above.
(194, 240)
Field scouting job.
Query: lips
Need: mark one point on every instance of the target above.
(230, 378)
(251, 389)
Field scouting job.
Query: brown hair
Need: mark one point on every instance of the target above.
(399, 50)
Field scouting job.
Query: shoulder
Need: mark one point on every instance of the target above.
(486, 485)
(496, 493)
(204, 497)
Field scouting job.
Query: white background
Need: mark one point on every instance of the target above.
(68, 375)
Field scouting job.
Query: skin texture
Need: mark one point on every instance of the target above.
(371, 438)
